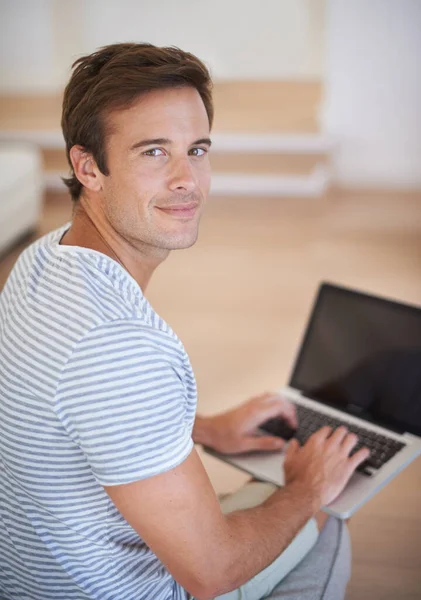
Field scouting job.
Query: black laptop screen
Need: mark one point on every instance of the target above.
(363, 354)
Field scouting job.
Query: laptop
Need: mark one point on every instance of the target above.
(359, 364)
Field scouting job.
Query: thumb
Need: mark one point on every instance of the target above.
(264, 442)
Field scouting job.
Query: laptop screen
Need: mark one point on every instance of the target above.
(362, 354)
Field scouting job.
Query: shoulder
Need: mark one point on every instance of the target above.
(125, 336)
(122, 353)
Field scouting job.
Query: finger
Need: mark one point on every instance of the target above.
(349, 442)
(358, 458)
(338, 435)
(320, 435)
(293, 446)
(288, 411)
(277, 406)
(264, 442)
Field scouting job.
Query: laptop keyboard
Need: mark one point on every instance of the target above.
(382, 448)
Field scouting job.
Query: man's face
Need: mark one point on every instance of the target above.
(157, 155)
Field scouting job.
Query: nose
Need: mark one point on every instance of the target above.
(182, 177)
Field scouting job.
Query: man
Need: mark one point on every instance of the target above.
(103, 495)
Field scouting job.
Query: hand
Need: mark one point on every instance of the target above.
(235, 431)
(323, 465)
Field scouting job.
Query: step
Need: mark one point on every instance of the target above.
(311, 185)
(286, 163)
(267, 106)
(270, 165)
(253, 106)
(270, 143)
(265, 139)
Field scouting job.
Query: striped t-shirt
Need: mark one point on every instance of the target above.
(95, 389)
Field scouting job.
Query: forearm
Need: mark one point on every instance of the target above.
(253, 538)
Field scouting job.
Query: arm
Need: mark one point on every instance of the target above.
(210, 554)
(206, 552)
(123, 409)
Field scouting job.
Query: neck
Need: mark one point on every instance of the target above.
(92, 230)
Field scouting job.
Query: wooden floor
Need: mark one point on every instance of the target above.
(239, 300)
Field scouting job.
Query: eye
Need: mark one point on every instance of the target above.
(198, 151)
(154, 152)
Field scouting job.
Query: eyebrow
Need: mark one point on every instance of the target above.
(166, 141)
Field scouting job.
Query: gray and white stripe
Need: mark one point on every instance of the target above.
(95, 389)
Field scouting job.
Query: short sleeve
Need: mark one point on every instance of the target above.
(122, 400)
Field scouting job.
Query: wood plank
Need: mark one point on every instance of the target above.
(283, 106)
(267, 106)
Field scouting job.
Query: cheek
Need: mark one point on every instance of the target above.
(135, 186)
(147, 178)
(204, 178)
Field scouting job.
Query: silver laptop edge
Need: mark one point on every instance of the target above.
(269, 466)
(361, 488)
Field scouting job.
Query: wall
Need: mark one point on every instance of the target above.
(26, 45)
(373, 91)
(239, 39)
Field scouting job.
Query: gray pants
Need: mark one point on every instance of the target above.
(324, 572)
(313, 567)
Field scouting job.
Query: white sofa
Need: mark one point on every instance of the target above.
(21, 188)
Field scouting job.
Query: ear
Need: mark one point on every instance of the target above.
(85, 168)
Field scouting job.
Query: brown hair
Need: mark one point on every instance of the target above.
(113, 78)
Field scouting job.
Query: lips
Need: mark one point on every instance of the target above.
(185, 210)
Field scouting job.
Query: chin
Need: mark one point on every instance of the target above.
(175, 240)
(181, 242)
(184, 239)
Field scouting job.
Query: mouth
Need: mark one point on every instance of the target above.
(182, 211)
